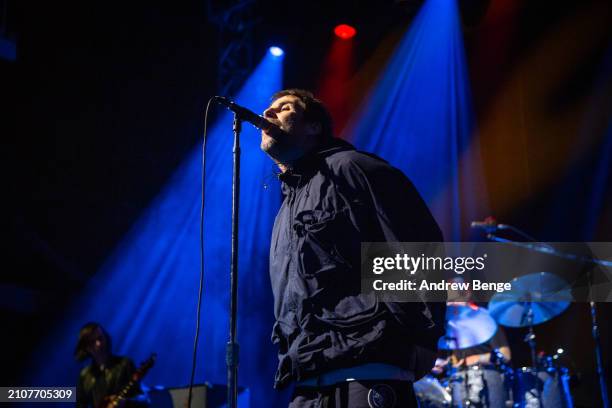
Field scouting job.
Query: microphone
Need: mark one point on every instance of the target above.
(248, 115)
(488, 225)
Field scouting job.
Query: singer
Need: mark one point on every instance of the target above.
(341, 348)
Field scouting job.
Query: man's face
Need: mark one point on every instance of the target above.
(287, 112)
(97, 343)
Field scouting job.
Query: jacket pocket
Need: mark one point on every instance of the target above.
(321, 234)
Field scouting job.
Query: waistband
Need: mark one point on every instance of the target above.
(370, 371)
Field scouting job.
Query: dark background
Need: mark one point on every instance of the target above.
(105, 100)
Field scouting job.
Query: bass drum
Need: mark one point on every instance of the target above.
(544, 388)
(431, 394)
(483, 386)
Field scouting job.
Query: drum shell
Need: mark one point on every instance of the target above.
(480, 386)
(551, 383)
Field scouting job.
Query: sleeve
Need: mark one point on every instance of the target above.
(401, 215)
(81, 396)
(400, 210)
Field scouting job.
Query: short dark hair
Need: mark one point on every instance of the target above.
(315, 110)
(85, 335)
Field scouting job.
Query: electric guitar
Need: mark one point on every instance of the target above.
(117, 399)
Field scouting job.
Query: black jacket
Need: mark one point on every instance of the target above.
(334, 199)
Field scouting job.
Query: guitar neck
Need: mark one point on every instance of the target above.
(135, 378)
(126, 390)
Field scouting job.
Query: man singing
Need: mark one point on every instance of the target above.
(342, 348)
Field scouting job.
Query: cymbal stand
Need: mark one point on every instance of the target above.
(530, 340)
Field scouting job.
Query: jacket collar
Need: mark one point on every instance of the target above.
(304, 168)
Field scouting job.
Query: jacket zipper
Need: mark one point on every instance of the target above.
(290, 226)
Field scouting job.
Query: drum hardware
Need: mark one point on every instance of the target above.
(530, 337)
(490, 226)
(546, 387)
(485, 384)
(480, 385)
(534, 299)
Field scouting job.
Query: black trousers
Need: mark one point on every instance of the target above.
(356, 394)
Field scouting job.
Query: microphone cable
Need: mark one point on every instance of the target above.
(201, 284)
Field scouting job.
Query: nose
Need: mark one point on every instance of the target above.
(269, 113)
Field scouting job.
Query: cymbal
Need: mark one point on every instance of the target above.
(545, 294)
(467, 325)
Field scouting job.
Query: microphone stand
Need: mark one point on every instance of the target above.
(232, 348)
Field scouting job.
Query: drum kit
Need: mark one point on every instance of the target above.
(533, 300)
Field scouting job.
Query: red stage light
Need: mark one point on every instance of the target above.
(345, 31)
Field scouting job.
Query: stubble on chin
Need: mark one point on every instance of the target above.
(272, 148)
(268, 144)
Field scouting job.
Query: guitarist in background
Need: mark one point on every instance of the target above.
(101, 381)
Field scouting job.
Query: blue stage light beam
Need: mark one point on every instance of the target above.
(602, 182)
(146, 293)
(419, 117)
